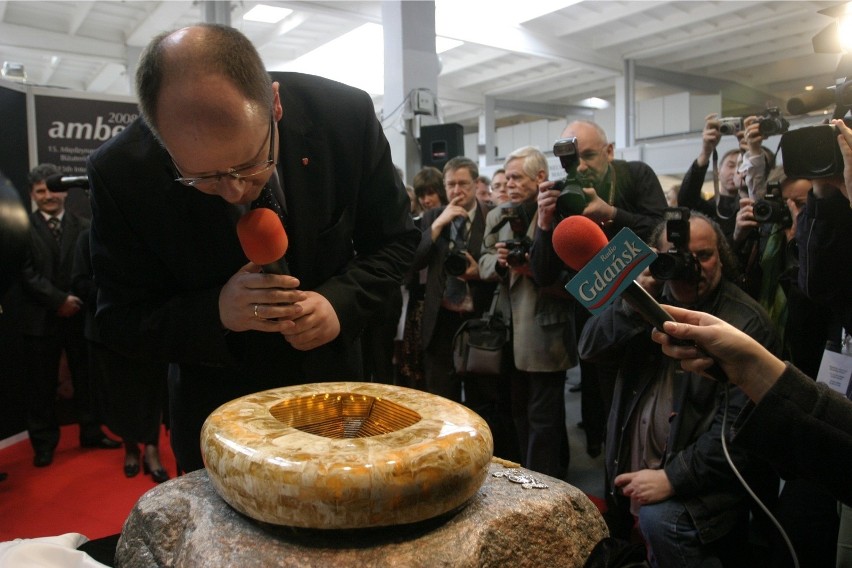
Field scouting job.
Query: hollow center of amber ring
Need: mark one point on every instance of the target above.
(344, 415)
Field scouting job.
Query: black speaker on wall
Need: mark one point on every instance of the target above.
(439, 143)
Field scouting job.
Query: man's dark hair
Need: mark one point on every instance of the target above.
(430, 180)
(224, 51)
(460, 162)
(40, 173)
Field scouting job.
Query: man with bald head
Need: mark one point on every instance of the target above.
(219, 135)
(618, 194)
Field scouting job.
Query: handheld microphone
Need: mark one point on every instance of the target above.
(810, 101)
(264, 240)
(577, 240)
(58, 183)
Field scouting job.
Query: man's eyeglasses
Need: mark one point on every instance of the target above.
(210, 181)
(460, 184)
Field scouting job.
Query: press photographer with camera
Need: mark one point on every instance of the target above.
(449, 248)
(664, 458)
(543, 344)
(615, 193)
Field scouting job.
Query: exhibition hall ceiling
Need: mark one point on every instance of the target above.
(756, 54)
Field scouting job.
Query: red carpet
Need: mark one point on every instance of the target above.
(83, 491)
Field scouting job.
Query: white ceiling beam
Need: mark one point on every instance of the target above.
(286, 25)
(81, 12)
(720, 34)
(517, 40)
(107, 75)
(24, 37)
(516, 67)
(571, 21)
(460, 64)
(708, 11)
(163, 17)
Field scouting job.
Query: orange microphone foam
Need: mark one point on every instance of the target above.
(577, 239)
(262, 236)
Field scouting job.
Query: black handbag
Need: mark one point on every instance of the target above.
(478, 344)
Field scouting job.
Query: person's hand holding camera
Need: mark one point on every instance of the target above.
(746, 222)
(710, 137)
(597, 209)
(844, 139)
(751, 136)
(547, 196)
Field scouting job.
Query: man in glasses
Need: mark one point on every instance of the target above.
(218, 136)
(618, 194)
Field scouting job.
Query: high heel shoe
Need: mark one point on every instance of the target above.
(131, 468)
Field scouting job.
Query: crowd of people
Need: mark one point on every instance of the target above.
(373, 261)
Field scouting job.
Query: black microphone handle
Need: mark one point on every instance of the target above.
(277, 267)
(652, 312)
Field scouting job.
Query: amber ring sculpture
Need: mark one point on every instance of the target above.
(345, 455)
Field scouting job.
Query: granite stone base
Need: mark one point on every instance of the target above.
(184, 523)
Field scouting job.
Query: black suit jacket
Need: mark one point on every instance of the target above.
(161, 252)
(431, 254)
(47, 273)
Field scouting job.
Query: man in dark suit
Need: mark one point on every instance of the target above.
(449, 249)
(219, 135)
(52, 322)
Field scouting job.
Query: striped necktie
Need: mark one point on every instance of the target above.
(55, 226)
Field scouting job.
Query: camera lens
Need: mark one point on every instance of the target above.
(456, 263)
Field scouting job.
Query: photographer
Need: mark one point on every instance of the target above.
(664, 459)
(722, 208)
(543, 343)
(617, 194)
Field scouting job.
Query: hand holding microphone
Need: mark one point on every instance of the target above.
(266, 301)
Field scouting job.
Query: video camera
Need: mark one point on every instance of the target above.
(677, 263)
(571, 200)
(812, 152)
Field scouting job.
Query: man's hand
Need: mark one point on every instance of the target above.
(262, 302)
(315, 326)
(710, 137)
(446, 217)
(745, 220)
(645, 486)
(70, 307)
(472, 270)
(844, 139)
(546, 205)
(597, 209)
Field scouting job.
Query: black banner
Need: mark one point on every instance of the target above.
(69, 129)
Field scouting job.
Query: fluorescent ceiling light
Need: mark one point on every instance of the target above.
(356, 58)
(443, 44)
(595, 102)
(267, 14)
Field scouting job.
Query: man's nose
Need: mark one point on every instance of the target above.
(231, 189)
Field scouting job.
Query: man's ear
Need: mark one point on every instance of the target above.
(610, 151)
(277, 109)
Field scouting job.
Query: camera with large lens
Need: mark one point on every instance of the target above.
(571, 200)
(677, 263)
(518, 249)
(456, 262)
(772, 123)
(772, 208)
(730, 125)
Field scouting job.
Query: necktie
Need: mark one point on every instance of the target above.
(267, 200)
(55, 228)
